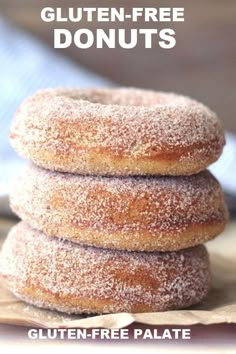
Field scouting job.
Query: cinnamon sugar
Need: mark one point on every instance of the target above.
(130, 205)
(159, 280)
(126, 122)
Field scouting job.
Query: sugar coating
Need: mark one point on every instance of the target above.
(78, 124)
(121, 280)
(66, 205)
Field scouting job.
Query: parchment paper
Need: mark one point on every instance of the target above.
(218, 307)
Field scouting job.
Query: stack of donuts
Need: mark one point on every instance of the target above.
(116, 202)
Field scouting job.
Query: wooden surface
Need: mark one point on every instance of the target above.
(201, 65)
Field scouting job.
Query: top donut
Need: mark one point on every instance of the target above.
(122, 131)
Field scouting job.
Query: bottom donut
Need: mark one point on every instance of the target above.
(64, 276)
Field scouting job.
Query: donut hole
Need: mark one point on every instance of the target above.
(121, 97)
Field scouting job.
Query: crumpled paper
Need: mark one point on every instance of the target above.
(218, 307)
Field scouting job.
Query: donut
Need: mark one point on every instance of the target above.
(60, 275)
(142, 213)
(116, 131)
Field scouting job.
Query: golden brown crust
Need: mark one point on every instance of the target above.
(117, 132)
(130, 213)
(162, 241)
(71, 278)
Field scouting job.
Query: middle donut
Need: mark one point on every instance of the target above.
(126, 213)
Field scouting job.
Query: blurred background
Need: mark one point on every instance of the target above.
(202, 64)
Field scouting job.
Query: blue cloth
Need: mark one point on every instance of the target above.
(27, 65)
